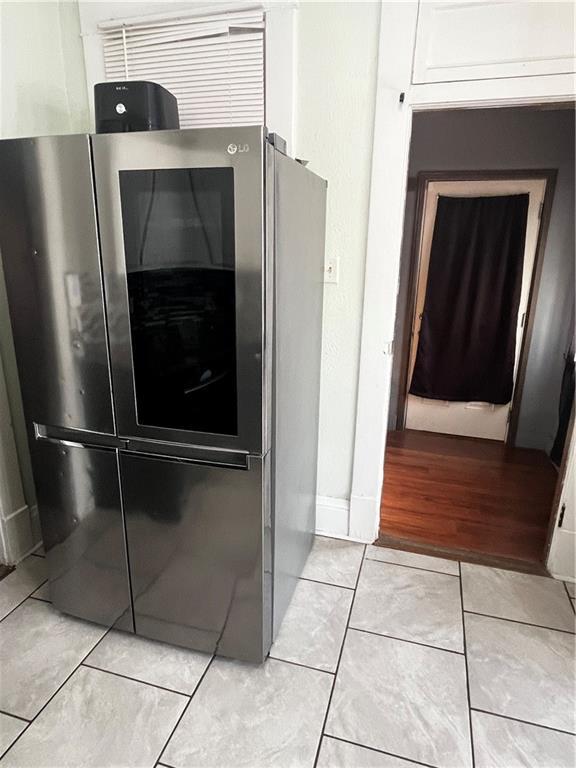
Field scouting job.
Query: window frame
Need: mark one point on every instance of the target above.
(280, 19)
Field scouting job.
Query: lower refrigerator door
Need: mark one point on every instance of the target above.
(82, 526)
(197, 544)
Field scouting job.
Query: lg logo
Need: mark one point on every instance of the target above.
(233, 148)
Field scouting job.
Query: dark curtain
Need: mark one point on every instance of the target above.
(468, 332)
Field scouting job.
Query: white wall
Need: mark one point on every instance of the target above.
(500, 139)
(42, 92)
(43, 87)
(335, 86)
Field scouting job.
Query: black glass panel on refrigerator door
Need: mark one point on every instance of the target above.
(180, 264)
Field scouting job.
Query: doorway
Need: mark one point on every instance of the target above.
(476, 418)
(470, 474)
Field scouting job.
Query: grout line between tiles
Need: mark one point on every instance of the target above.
(298, 664)
(404, 640)
(327, 583)
(466, 668)
(570, 598)
(323, 729)
(23, 601)
(42, 599)
(134, 679)
(525, 722)
(524, 623)
(56, 692)
(23, 719)
(197, 686)
(380, 751)
(413, 567)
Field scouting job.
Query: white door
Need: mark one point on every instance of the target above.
(474, 419)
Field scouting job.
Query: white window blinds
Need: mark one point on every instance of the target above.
(213, 64)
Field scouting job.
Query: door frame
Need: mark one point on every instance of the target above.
(560, 484)
(397, 99)
(424, 178)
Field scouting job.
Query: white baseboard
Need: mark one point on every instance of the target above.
(334, 519)
(332, 516)
(17, 535)
(562, 558)
(364, 519)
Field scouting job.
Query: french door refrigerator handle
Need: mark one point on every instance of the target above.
(214, 457)
(77, 437)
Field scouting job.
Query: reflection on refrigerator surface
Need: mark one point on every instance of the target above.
(191, 561)
(179, 249)
(79, 495)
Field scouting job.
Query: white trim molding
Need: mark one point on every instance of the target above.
(392, 125)
(561, 562)
(332, 517)
(16, 536)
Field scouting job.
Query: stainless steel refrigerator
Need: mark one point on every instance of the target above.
(165, 292)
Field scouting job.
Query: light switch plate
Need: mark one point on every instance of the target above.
(331, 270)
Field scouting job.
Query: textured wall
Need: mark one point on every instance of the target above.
(335, 92)
(499, 139)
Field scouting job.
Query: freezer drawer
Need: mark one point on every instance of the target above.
(82, 526)
(198, 551)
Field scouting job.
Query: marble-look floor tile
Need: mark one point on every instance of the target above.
(314, 625)
(149, 661)
(402, 698)
(412, 559)
(334, 561)
(502, 743)
(521, 671)
(265, 716)
(518, 596)
(341, 754)
(39, 648)
(43, 592)
(571, 587)
(18, 585)
(410, 604)
(98, 720)
(10, 729)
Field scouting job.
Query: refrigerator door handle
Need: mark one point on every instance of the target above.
(77, 437)
(214, 457)
(72, 444)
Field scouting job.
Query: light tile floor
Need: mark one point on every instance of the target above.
(386, 659)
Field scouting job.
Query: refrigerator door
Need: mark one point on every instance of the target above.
(181, 226)
(79, 496)
(199, 554)
(49, 247)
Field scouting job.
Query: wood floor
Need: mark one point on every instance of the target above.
(466, 494)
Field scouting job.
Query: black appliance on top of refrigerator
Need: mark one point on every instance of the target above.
(165, 292)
